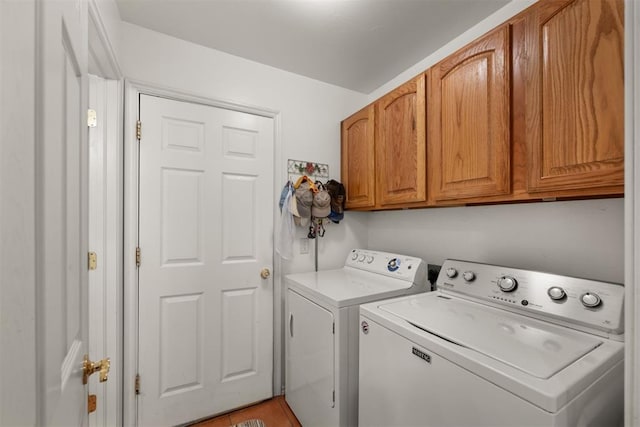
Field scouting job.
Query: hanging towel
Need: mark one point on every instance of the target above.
(288, 187)
(286, 228)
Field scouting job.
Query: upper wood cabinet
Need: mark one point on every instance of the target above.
(358, 159)
(469, 121)
(574, 95)
(401, 145)
(531, 110)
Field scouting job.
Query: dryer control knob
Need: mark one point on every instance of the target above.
(369, 259)
(469, 276)
(354, 256)
(507, 283)
(451, 272)
(362, 257)
(590, 300)
(556, 293)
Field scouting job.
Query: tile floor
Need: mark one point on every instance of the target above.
(273, 412)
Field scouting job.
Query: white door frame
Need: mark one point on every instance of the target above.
(105, 239)
(133, 90)
(632, 212)
(103, 63)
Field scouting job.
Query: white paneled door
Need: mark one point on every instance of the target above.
(61, 212)
(206, 205)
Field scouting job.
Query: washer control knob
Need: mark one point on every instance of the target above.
(354, 256)
(590, 300)
(451, 272)
(469, 276)
(507, 283)
(556, 293)
(369, 259)
(393, 264)
(362, 257)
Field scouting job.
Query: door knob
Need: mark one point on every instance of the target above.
(89, 368)
(265, 273)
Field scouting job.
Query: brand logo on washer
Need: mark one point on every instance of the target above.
(422, 355)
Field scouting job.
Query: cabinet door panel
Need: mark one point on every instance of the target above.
(465, 97)
(575, 95)
(469, 135)
(358, 159)
(401, 144)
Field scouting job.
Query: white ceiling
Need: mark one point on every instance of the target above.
(356, 44)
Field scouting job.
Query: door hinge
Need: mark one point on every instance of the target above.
(137, 384)
(138, 256)
(93, 260)
(92, 403)
(138, 130)
(92, 118)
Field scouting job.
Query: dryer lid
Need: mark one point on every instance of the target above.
(537, 348)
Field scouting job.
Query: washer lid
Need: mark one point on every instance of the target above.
(537, 348)
(347, 286)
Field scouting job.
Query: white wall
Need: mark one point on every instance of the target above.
(310, 113)
(577, 238)
(581, 238)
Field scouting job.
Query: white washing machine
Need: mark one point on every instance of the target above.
(494, 346)
(322, 330)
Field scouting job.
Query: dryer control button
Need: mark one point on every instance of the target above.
(507, 283)
(590, 300)
(556, 293)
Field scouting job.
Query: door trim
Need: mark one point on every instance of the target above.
(133, 90)
(103, 63)
(106, 328)
(632, 212)
(102, 57)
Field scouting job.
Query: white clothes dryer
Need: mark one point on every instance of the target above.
(494, 346)
(322, 330)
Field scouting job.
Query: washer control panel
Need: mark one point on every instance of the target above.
(404, 267)
(569, 300)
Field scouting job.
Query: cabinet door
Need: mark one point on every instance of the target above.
(358, 159)
(575, 95)
(469, 117)
(310, 362)
(401, 144)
